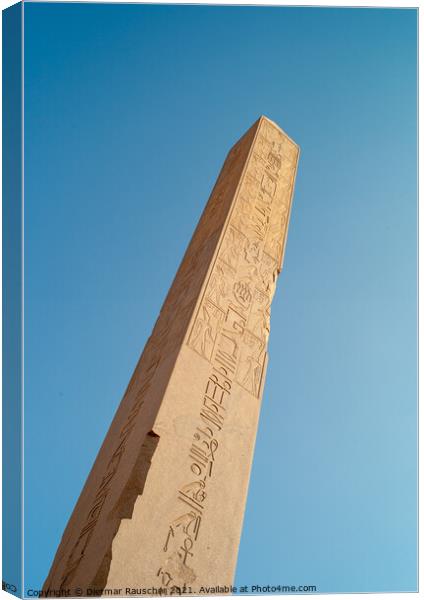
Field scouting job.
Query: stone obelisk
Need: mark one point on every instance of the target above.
(162, 508)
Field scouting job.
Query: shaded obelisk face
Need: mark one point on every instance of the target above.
(164, 502)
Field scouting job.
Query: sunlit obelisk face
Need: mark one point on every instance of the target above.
(164, 502)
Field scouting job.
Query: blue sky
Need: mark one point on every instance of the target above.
(129, 113)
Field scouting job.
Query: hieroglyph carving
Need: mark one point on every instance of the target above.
(231, 328)
(242, 280)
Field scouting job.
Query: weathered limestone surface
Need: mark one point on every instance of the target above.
(164, 502)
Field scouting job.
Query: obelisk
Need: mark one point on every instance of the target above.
(162, 508)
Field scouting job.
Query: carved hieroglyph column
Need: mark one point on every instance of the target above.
(164, 502)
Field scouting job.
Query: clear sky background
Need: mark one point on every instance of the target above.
(129, 113)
